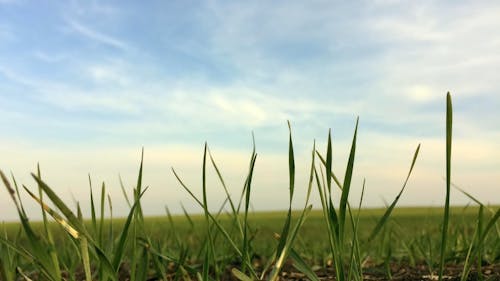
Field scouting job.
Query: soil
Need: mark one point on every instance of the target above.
(399, 272)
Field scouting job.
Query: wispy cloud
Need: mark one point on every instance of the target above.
(15, 77)
(97, 36)
(454, 51)
(49, 57)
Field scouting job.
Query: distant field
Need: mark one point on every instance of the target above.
(411, 233)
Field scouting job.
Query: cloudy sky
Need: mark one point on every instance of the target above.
(84, 85)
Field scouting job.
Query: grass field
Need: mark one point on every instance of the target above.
(336, 241)
(411, 237)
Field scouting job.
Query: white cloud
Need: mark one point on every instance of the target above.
(18, 78)
(49, 57)
(96, 35)
(111, 73)
(456, 51)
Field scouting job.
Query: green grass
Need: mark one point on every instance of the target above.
(405, 222)
(236, 243)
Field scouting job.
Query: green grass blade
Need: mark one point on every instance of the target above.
(217, 223)
(302, 266)
(48, 234)
(10, 190)
(73, 220)
(248, 186)
(335, 179)
(223, 183)
(188, 217)
(347, 184)
(328, 163)
(389, 210)
(291, 173)
(490, 225)
(291, 163)
(92, 207)
(124, 192)
(444, 233)
(172, 227)
(467, 194)
(73, 232)
(240, 275)
(38, 247)
(290, 238)
(120, 248)
(213, 219)
(355, 259)
(85, 258)
(209, 251)
(101, 220)
(299, 263)
(110, 228)
(138, 191)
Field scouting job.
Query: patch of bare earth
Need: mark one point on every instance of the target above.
(402, 272)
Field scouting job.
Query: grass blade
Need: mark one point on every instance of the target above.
(444, 233)
(120, 248)
(388, 212)
(240, 275)
(347, 184)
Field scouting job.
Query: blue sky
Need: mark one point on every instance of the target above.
(85, 84)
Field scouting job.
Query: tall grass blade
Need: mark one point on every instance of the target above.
(291, 171)
(355, 259)
(120, 248)
(444, 233)
(45, 208)
(247, 189)
(210, 250)
(42, 259)
(214, 220)
(110, 229)
(101, 220)
(93, 215)
(75, 223)
(347, 184)
(48, 234)
(73, 220)
(287, 238)
(328, 164)
(85, 258)
(291, 163)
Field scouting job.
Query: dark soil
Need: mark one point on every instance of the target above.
(399, 272)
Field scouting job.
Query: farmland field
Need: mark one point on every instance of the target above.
(410, 238)
(337, 241)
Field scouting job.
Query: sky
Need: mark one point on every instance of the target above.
(85, 85)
